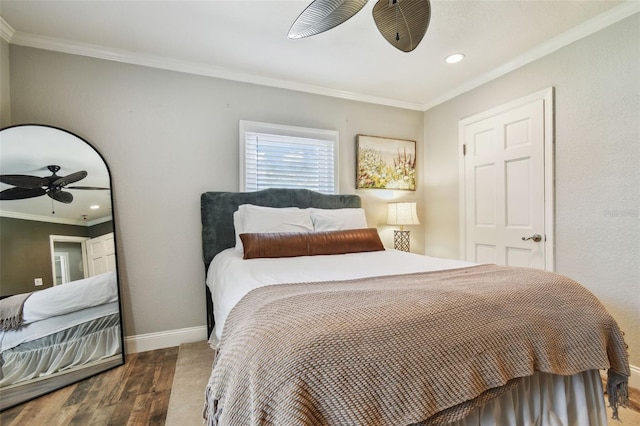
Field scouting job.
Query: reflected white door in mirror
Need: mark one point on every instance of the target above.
(59, 295)
(74, 258)
(101, 254)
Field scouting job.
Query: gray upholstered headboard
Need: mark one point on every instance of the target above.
(217, 210)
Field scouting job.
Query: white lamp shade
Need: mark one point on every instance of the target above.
(402, 214)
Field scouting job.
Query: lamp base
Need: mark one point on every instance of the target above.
(401, 240)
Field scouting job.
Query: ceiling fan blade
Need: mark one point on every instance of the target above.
(87, 187)
(62, 196)
(21, 193)
(24, 181)
(322, 15)
(73, 177)
(403, 23)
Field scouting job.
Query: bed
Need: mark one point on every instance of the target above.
(309, 334)
(66, 330)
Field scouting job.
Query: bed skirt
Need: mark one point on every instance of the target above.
(75, 346)
(541, 399)
(545, 399)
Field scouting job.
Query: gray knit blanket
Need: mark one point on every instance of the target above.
(11, 311)
(422, 348)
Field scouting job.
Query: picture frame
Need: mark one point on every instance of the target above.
(385, 163)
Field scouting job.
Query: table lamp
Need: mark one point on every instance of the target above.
(402, 214)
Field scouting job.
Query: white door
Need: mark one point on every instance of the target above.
(101, 254)
(506, 184)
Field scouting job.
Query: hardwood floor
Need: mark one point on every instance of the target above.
(136, 393)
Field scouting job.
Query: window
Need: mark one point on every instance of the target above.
(276, 156)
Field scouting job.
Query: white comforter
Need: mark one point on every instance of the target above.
(70, 297)
(230, 277)
(63, 306)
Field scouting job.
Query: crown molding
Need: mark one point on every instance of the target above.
(49, 219)
(587, 28)
(99, 220)
(166, 63)
(6, 30)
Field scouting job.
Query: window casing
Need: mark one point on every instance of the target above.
(277, 156)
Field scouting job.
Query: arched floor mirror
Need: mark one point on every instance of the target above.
(59, 294)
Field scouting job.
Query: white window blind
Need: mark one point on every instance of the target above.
(287, 157)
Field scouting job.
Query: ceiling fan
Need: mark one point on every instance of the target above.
(34, 186)
(403, 23)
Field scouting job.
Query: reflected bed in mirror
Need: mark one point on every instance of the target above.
(59, 307)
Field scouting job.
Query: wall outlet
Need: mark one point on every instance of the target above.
(37, 281)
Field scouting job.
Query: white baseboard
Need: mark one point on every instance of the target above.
(164, 339)
(634, 379)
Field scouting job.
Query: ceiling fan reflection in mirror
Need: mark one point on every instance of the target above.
(26, 186)
(403, 23)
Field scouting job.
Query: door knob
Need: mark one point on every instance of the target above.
(535, 237)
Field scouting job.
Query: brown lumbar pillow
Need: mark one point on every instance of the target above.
(292, 244)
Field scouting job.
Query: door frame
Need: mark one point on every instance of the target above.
(68, 239)
(547, 96)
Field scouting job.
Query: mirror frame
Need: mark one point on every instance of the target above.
(21, 392)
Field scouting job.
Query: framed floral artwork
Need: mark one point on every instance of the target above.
(385, 163)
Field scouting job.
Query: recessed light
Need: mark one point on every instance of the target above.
(94, 207)
(455, 58)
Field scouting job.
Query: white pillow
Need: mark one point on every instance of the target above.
(337, 219)
(237, 225)
(258, 219)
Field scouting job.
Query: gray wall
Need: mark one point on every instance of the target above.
(167, 137)
(26, 252)
(5, 88)
(597, 154)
